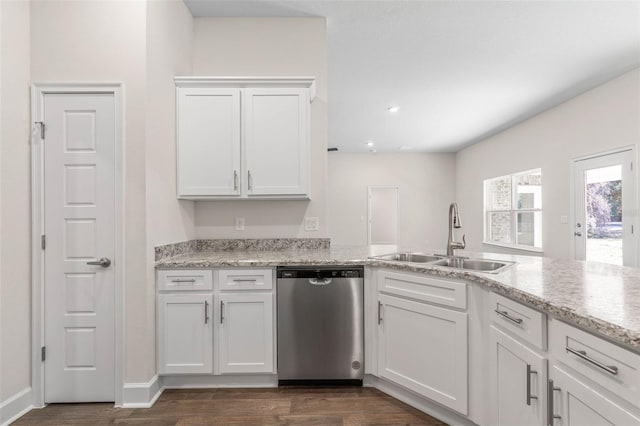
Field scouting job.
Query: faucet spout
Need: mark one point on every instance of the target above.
(454, 222)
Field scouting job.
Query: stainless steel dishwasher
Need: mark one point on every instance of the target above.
(320, 325)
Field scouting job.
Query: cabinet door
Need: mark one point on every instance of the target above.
(185, 335)
(245, 333)
(517, 382)
(424, 348)
(208, 142)
(276, 140)
(578, 404)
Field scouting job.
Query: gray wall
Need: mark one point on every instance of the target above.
(426, 187)
(605, 118)
(267, 47)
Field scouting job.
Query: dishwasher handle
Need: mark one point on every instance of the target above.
(325, 281)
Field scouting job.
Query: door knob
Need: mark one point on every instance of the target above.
(105, 262)
(578, 234)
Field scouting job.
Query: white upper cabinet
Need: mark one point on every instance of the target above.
(208, 142)
(241, 138)
(276, 135)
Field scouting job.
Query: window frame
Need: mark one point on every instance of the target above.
(513, 212)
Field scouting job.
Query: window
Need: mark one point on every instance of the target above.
(513, 210)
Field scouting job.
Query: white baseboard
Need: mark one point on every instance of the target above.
(15, 407)
(142, 395)
(222, 381)
(416, 401)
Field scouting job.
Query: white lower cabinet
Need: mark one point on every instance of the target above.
(424, 348)
(245, 333)
(421, 342)
(185, 333)
(517, 382)
(576, 403)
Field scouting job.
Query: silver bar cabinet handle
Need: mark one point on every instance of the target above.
(249, 180)
(184, 281)
(506, 315)
(235, 180)
(221, 311)
(611, 369)
(206, 312)
(551, 416)
(530, 371)
(379, 312)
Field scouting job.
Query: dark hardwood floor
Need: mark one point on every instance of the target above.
(281, 406)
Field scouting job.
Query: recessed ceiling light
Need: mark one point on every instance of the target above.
(369, 143)
(393, 108)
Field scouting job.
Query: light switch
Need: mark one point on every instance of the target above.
(564, 219)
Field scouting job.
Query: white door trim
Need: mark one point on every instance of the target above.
(38, 90)
(370, 189)
(572, 193)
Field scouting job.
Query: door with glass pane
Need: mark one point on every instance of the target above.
(605, 209)
(513, 210)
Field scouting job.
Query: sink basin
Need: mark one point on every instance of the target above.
(409, 257)
(481, 265)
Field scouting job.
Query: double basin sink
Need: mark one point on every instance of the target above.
(459, 263)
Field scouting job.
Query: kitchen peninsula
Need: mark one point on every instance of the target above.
(584, 315)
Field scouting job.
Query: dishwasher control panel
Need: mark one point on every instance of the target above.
(332, 272)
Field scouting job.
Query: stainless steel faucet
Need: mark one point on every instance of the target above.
(454, 222)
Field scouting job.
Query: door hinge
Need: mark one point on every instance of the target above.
(44, 353)
(41, 124)
(632, 229)
(43, 242)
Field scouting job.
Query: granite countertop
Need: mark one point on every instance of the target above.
(604, 299)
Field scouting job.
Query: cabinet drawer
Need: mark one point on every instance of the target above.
(185, 279)
(523, 322)
(614, 368)
(425, 288)
(245, 279)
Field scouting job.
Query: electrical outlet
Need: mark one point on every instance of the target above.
(239, 223)
(312, 223)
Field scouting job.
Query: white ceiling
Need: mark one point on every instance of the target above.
(459, 71)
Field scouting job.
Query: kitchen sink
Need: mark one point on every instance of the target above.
(408, 257)
(481, 265)
(460, 263)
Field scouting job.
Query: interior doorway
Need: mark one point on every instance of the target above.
(78, 264)
(605, 208)
(383, 215)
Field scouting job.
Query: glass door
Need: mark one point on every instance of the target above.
(605, 209)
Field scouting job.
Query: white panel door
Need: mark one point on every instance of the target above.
(245, 336)
(424, 348)
(276, 138)
(577, 404)
(517, 382)
(185, 335)
(208, 142)
(79, 222)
